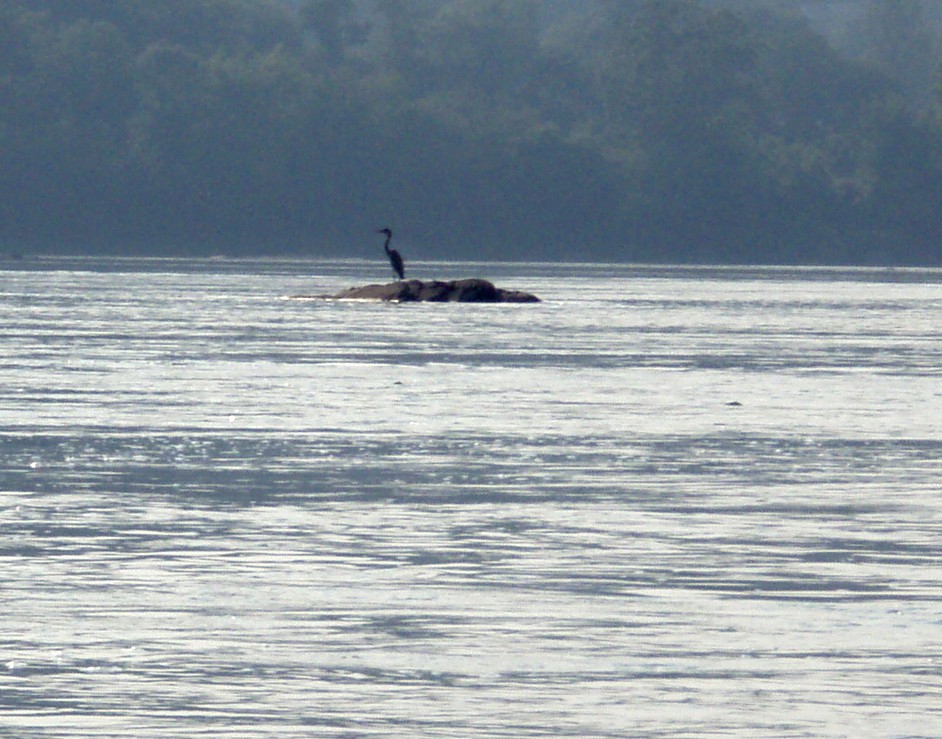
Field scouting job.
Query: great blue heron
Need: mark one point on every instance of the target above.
(395, 259)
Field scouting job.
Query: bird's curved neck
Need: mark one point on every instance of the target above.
(386, 245)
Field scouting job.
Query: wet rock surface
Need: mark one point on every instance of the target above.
(473, 290)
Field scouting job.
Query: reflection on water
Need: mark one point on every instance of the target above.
(663, 502)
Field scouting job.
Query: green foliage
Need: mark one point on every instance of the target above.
(669, 130)
(897, 40)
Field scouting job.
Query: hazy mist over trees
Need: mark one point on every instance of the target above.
(763, 131)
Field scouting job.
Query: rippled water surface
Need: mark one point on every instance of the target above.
(664, 502)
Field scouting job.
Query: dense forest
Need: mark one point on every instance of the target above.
(751, 131)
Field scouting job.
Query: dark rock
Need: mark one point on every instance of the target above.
(434, 291)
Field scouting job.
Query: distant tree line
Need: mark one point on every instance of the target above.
(637, 130)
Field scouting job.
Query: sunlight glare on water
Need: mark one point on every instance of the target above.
(665, 501)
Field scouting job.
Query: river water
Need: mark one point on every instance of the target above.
(663, 502)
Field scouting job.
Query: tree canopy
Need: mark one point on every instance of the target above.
(650, 130)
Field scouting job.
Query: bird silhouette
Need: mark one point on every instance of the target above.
(395, 259)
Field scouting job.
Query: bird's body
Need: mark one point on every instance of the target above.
(395, 259)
